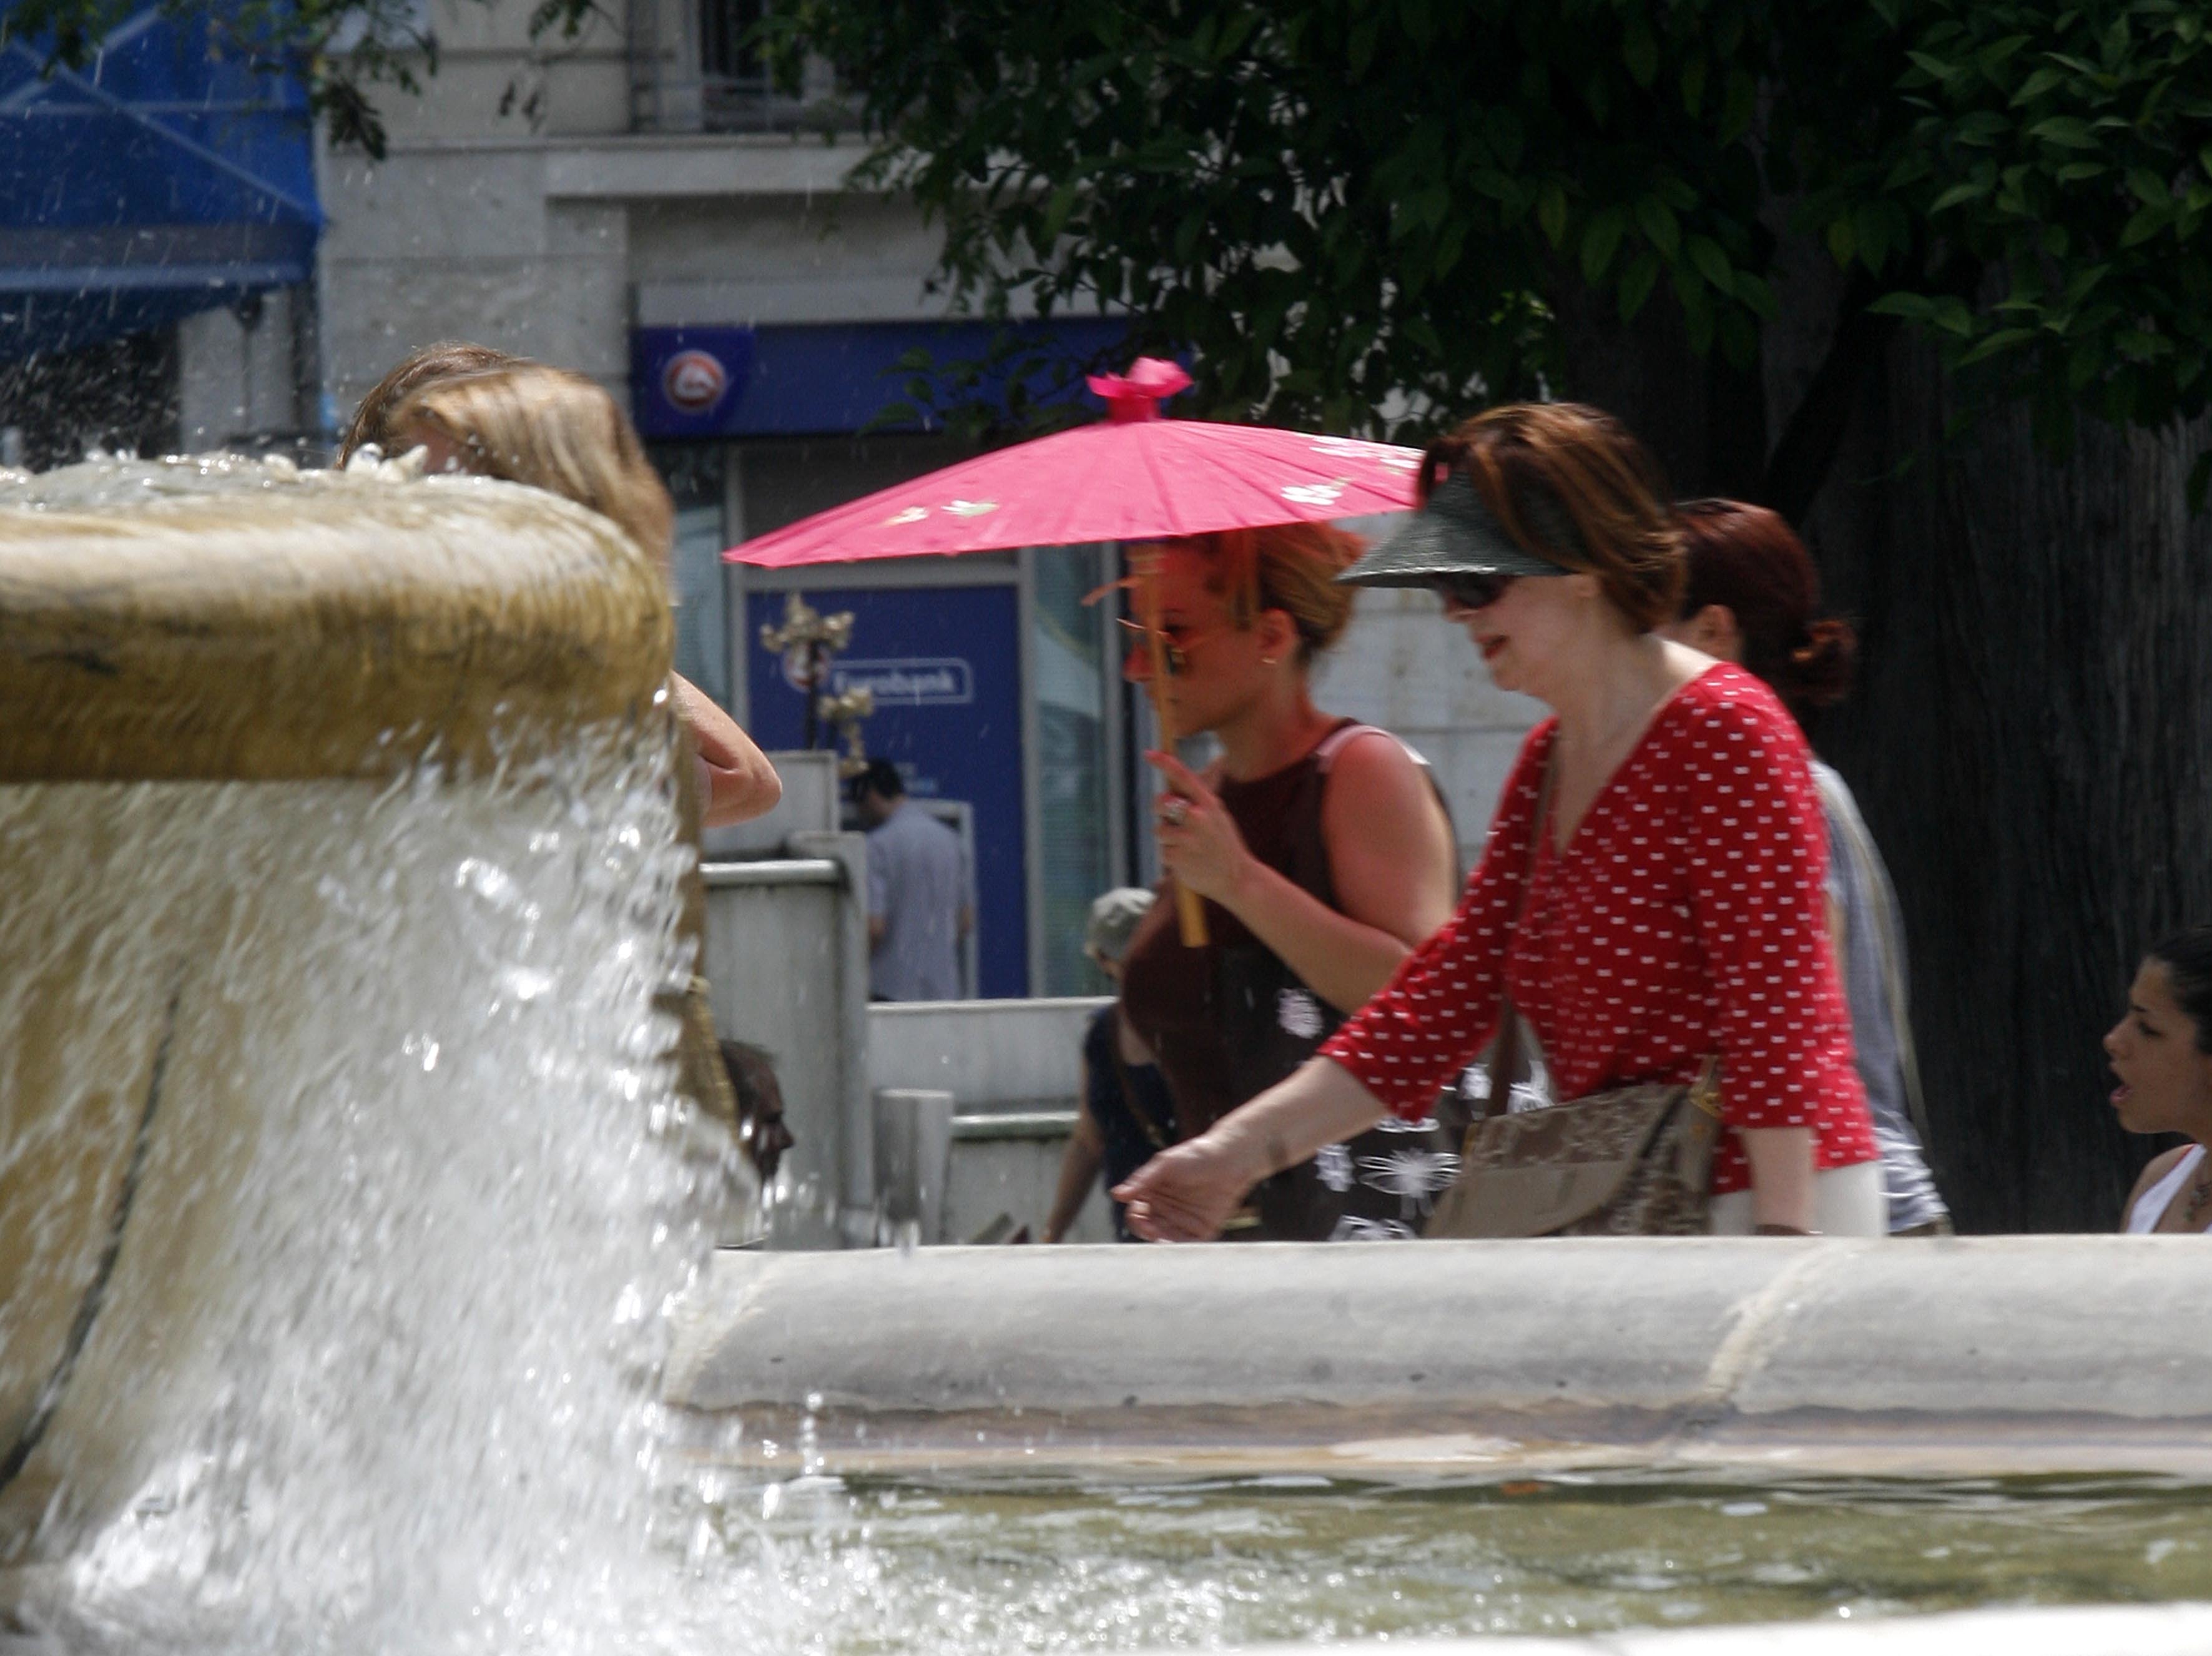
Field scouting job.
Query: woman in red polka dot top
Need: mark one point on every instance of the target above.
(1670, 908)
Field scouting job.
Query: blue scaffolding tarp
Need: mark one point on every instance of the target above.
(166, 176)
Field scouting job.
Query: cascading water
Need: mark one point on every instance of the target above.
(405, 1193)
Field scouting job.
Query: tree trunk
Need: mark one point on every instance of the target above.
(2029, 745)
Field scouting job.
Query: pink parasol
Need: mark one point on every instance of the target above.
(1132, 476)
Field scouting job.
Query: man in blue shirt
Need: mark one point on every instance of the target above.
(922, 899)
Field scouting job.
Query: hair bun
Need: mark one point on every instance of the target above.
(1821, 669)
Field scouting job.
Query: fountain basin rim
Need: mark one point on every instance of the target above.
(349, 629)
(1939, 1357)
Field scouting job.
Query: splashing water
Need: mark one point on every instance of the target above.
(376, 1366)
(418, 1413)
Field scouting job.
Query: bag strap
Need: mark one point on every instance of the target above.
(1343, 736)
(1505, 1048)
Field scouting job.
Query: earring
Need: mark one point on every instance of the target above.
(1269, 661)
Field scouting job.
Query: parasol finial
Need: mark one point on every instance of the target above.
(1137, 394)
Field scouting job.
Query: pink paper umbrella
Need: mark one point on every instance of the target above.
(1132, 476)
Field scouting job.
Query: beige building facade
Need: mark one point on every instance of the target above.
(574, 201)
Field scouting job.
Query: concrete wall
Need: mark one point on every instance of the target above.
(236, 382)
(989, 1055)
(551, 246)
(786, 958)
(810, 804)
(1015, 1070)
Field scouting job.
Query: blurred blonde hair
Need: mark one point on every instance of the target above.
(551, 430)
(448, 359)
(1290, 567)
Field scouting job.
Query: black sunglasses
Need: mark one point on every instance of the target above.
(1471, 591)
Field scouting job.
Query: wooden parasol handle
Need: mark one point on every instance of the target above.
(1190, 908)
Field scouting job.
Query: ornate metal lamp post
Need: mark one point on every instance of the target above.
(807, 641)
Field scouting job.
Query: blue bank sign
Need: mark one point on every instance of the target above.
(953, 724)
(806, 379)
(914, 681)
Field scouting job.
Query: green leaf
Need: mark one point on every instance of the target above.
(2070, 131)
(1660, 226)
(1713, 264)
(1552, 212)
(1870, 229)
(1982, 128)
(1841, 246)
(1932, 65)
(1601, 237)
(1636, 282)
(1641, 50)
(1973, 189)
(2083, 282)
(1057, 210)
(1909, 306)
(2003, 339)
(2037, 84)
(1188, 233)
(1951, 315)
(2146, 222)
(2149, 188)
(2074, 171)
(1753, 290)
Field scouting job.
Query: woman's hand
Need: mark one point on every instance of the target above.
(739, 783)
(1187, 1192)
(1198, 842)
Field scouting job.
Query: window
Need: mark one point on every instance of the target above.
(738, 93)
(695, 473)
(1075, 675)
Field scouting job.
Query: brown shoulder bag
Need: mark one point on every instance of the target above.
(1635, 1162)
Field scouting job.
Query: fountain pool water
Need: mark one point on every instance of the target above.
(1008, 1564)
(344, 1192)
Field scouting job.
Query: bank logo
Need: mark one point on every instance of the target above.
(914, 681)
(694, 380)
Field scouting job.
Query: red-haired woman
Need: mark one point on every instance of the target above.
(1324, 855)
(1656, 903)
(1754, 598)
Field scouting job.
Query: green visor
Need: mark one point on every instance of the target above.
(1454, 534)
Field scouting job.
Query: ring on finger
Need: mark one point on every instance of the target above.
(1173, 812)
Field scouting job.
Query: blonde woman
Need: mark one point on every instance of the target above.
(1324, 855)
(558, 431)
(554, 431)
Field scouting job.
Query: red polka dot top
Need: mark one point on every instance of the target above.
(1685, 918)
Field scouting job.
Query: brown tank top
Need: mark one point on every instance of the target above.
(1229, 1019)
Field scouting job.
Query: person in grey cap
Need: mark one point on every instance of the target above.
(1652, 886)
(1124, 1113)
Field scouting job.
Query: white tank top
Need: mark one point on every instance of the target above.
(2151, 1205)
